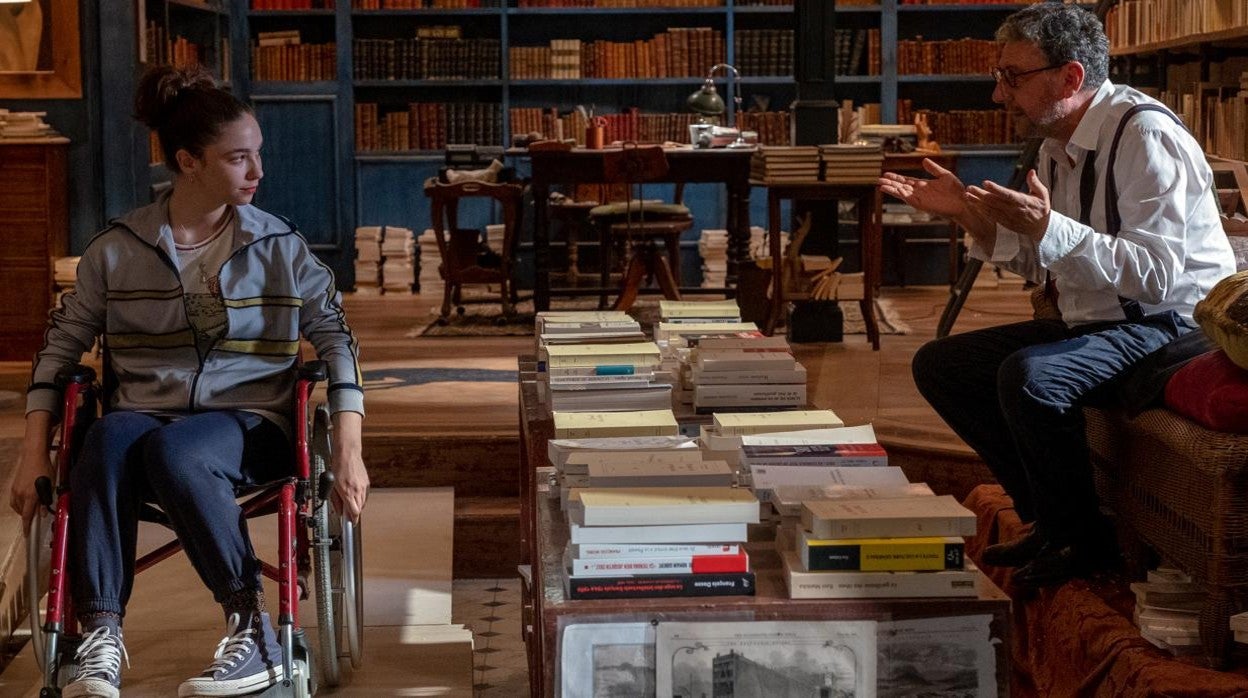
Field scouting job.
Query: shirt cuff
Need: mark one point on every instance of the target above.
(346, 399)
(1060, 238)
(1006, 248)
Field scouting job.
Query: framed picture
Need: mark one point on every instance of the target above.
(607, 660)
(40, 50)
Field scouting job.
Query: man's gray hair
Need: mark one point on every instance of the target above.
(1064, 33)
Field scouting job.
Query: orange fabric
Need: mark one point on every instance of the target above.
(1078, 639)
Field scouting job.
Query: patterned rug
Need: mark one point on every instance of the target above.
(487, 319)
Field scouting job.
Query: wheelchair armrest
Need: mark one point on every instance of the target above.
(315, 371)
(76, 373)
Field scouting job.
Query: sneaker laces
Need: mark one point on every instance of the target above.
(100, 655)
(232, 648)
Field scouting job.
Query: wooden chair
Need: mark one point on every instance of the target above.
(640, 227)
(461, 250)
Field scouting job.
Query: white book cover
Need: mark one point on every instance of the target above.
(675, 564)
(672, 308)
(787, 499)
(559, 450)
(579, 461)
(708, 473)
(680, 533)
(635, 353)
(635, 506)
(907, 516)
(580, 425)
(878, 585)
(745, 423)
(864, 434)
(761, 341)
(768, 478)
(591, 551)
(667, 331)
(784, 376)
(744, 360)
(749, 395)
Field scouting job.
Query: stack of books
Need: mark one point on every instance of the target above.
(1167, 610)
(778, 164)
(660, 467)
(723, 437)
(845, 163)
(643, 542)
(808, 458)
(398, 275)
(586, 327)
(24, 124)
(368, 258)
(699, 311)
(713, 248)
(883, 546)
(430, 279)
(618, 377)
(747, 373)
(593, 425)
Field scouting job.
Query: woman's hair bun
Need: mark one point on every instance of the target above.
(160, 87)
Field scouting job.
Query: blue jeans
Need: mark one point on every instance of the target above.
(191, 467)
(1015, 395)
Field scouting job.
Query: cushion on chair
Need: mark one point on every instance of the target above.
(656, 209)
(1211, 391)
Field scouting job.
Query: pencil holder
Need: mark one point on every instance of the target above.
(594, 136)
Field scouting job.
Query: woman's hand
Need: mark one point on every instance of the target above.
(347, 462)
(33, 462)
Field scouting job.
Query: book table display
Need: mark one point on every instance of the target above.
(584, 647)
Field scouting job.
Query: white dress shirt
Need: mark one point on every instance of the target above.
(1171, 249)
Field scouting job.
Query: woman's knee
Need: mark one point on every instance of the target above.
(180, 456)
(107, 448)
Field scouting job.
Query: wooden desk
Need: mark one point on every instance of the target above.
(912, 164)
(545, 608)
(868, 199)
(579, 165)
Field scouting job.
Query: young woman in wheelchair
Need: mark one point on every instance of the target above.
(200, 299)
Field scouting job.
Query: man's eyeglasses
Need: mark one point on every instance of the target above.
(1010, 77)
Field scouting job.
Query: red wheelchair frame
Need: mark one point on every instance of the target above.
(307, 534)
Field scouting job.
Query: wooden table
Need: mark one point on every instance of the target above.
(868, 199)
(580, 165)
(546, 609)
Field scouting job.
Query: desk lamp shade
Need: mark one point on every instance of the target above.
(706, 100)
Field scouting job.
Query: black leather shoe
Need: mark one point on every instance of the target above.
(1053, 565)
(1014, 553)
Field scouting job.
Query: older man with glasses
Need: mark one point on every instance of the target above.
(1120, 232)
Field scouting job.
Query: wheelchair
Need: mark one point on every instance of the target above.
(314, 544)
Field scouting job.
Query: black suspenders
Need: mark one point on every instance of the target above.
(1087, 192)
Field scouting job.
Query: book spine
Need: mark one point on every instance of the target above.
(901, 527)
(687, 564)
(659, 586)
(881, 556)
(597, 551)
(881, 585)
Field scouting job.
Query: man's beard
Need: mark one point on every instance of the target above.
(1044, 127)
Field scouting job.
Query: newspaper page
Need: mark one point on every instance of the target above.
(766, 659)
(607, 660)
(951, 657)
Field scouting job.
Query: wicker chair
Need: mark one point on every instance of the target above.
(1179, 489)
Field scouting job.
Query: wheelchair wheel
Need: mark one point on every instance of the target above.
(38, 554)
(337, 558)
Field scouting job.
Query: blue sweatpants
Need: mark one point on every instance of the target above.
(1015, 395)
(191, 466)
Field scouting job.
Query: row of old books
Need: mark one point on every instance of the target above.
(677, 52)
(1213, 105)
(620, 3)
(713, 251)
(1130, 23)
(426, 59)
(946, 57)
(765, 51)
(772, 127)
(384, 259)
(177, 51)
(424, 4)
(629, 125)
(294, 62)
(426, 125)
(292, 4)
(965, 126)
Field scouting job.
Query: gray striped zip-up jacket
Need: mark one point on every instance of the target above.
(129, 292)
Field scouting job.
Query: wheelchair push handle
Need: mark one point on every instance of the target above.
(79, 374)
(314, 371)
(43, 488)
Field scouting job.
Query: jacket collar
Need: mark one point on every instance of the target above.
(151, 224)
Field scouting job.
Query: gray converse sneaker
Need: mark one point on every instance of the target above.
(99, 665)
(248, 659)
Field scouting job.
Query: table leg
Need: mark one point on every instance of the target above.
(541, 247)
(738, 224)
(869, 231)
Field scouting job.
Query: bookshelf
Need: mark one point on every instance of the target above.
(1193, 56)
